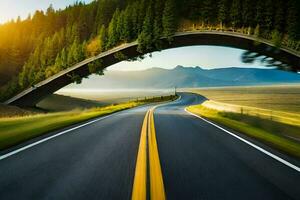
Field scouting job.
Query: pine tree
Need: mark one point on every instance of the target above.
(280, 16)
(51, 26)
(83, 25)
(64, 58)
(142, 10)
(208, 12)
(103, 38)
(146, 39)
(235, 13)
(268, 20)
(157, 29)
(23, 81)
(169, 21)
(158, 26)
(222, 15)
(133, 13)
(59, 65)
(126, 32)
(121, 27)
(292, 20)
(248, 14)
(259, 14)
(113, 35)
(74, 53)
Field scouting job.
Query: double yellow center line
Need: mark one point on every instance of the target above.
(148, 139)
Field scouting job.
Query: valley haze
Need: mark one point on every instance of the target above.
(183, 77)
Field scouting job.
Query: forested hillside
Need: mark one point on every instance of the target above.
(47, 42)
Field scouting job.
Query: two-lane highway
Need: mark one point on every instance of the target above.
(166, 151)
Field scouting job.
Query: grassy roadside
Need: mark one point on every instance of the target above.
(15, 130)
(288, 118)
(277, 98)
(257, 128)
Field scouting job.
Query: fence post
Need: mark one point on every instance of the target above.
(271, 115)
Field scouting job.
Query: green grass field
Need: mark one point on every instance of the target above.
(285, 98)
(279, 103)
(114, 95)
(288, 118)
(69, 99)
(264, 130)
(270, 114)
(14, 130)
(56, 103)
(11, 111)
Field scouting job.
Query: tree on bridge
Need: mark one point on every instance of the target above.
(169, 20)
(146, 37)
(223, 8)
(235, 13)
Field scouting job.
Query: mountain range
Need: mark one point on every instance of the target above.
(186, 77)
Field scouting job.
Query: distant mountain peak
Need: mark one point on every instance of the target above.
(179, 67)
(185, 77)
(199, 68)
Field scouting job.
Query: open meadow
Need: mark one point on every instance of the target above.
(284, 98)
(270, 114)
(108, 97)
(70, 99)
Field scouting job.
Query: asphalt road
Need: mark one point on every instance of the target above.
(97, 161)
(200, 161)
(94, 162)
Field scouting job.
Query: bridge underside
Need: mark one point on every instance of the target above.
(31, 96)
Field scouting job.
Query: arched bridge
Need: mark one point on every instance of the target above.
(31, 96)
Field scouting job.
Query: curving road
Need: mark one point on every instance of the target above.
(98, 161)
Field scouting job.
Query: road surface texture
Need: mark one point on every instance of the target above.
(94, 162)
(200, 161)
(98, 161)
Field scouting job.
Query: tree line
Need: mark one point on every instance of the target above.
(45, 43)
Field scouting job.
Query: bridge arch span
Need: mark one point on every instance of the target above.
(31, 96)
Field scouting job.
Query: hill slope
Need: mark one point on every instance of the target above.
(64, 103)
(184, 77)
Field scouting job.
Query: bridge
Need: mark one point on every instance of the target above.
(31, 96)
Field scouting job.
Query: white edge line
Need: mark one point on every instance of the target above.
(2, 157)
(177, 99)
(249, 143)
(167, 103)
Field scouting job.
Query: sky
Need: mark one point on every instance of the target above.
(11, 9)
(207, 57)
(203, 56)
